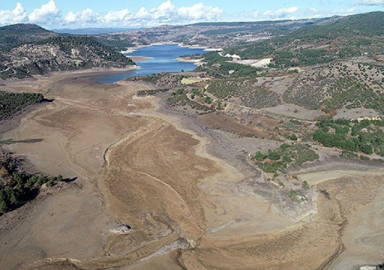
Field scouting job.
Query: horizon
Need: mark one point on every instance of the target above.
(164, 25)
(57, 14)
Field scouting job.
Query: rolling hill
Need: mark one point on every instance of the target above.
(345, 37)
(38, 51)
(210, 34)
(18, 34)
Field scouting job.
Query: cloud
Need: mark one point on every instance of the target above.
(46, 14)
(117, 16)
(82, 18)
(298, 13)
(323, 13)
(165, 13)
(280, 13)
(169, 13)
(49, 15)
(142, 13)
(17, 15)
(200, 12)
(369, 3)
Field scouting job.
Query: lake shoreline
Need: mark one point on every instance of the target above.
(136, 48)
(196, 62)
(158, 58)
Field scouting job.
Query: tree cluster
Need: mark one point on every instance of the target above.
(10, 103)
(17, 187)
(364, 136)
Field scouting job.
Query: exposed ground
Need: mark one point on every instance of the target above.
(181, 182)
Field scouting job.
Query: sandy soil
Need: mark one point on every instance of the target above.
(192, 80)
(197, 62)
(258, 63)
(137, 165)
(140, 58)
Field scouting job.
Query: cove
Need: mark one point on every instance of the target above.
(163, 59)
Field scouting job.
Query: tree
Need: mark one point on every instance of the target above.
(287, 159)
(273, 155)
(260, 156)
(293, 137)
(14, 198)
(3, 206)
(366, 149)
(305, 185)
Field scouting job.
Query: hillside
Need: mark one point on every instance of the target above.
(220, 34)
(17, 34)
(328, 67)
(59, 53)
(346, 37)
(339, 85)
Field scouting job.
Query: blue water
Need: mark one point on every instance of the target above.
(163, 60)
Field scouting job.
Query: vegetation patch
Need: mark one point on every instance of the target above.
(17, 34)
(10, 103)
(338, 85)
(59, 53)
(18, 187)
(219, 67)
(144, 93)
(284, 157)
(245, 90)
(296, 196)
(317, 44)
(179, 98)
(161, 80)
(366, 136)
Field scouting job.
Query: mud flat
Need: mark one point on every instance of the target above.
(141, 165)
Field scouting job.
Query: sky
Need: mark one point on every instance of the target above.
(55, 14)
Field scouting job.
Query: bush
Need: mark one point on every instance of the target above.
(287, 155)
(349, 135)
(305, 185)
(260, 156)
(273, 155)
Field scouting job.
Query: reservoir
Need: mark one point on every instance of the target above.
(163, 59)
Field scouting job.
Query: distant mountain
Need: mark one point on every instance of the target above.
(211, 34)
(59, 53)
(92, 31)
(17, 34)
(367, 24)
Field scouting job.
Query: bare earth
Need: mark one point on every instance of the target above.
(138, 166)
